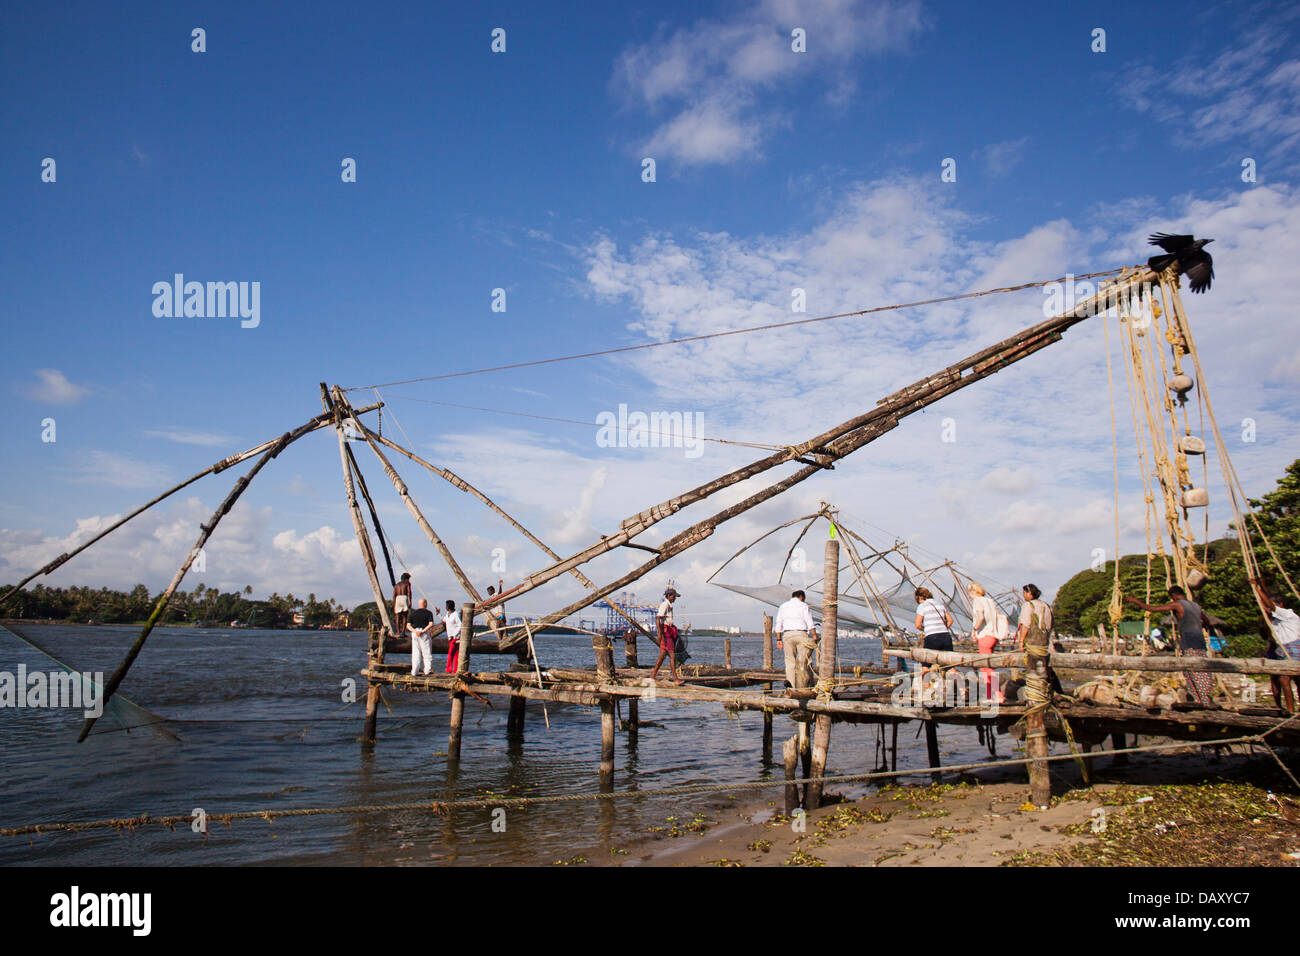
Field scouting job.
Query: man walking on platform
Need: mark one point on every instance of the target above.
(797, 636)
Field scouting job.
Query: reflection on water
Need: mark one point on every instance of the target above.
(260, 723)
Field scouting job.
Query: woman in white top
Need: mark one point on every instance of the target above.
(984, 631)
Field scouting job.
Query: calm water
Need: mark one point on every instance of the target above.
(259, 722)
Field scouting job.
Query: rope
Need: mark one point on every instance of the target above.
(444, 808)
(744, 331)
(762, 446)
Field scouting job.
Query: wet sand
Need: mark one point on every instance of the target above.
(985, 819)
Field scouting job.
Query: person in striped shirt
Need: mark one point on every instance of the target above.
(934, 621)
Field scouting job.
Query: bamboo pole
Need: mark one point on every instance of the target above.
(206, 530)
(405, 494)
(320, 422)
(790, 758)
(348, 461)
(604, 650)
(767, 666)
(1037, 688)
(702, 530)
(829, 446)
(932, 749)
(458, 482)
(826, 665)
(465, 645)
(633, 705)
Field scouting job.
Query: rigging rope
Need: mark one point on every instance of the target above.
(755, 328)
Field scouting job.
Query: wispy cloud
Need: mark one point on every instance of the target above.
(711, 86)
(185, 436)
(52, 387)
(120, 471)
(999, 159)
(1248, 95)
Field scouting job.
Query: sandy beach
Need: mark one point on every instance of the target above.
(1184, 808)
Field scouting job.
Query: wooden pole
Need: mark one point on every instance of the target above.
(459, 482)
(633, 706)
(1064, 660)
(518, 704)
(1037, 689)
(828, 447)
(206, 530)
(767, 666)
(372, 701)
(826, 665)
(932, 748)
(790, 755)
(726, 652)
(320, 421)
(464, 644)
(405, 494)
(604, 649)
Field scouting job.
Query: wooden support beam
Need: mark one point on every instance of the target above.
(826, 665)
(932, 749)
(604, 650)
(205, 531)
(767, 666)
(1063, 660)
(464, 649)
(633, 704)
(320, 421)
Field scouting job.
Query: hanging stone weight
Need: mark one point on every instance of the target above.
(1181, 385)
(1196, 577)
(1191, 445)
(1195, 498)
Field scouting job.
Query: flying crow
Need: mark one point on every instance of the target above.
(1189, 252)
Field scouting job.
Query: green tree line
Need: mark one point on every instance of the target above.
(200, 605)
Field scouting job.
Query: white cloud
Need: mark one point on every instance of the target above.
(716, 80)
(999, 159)
(1249, 94)
(185, 436)
(52, 387)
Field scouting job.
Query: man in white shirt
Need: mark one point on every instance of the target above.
(452, 622)
(797, 636)
(1285, 625)
(667, 633)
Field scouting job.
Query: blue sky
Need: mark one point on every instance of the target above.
(522, 171)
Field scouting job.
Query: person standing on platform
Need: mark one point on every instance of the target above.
(984, 631)
(797, 636)
(452, 622)
(935, 621)
(402, 602)
(420, 624)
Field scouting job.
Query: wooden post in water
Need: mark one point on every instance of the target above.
(825, 665)
(932, 748)
(372, 694)
(604, 649)
(767, 666)
(790, 755)
(726, 652)
(515, 719)
(463, 644)
(630, 660)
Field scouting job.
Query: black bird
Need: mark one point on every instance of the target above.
(1189, 252)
